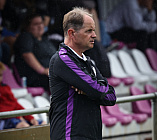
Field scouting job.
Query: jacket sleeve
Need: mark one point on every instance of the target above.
(66, 69)
(109, 98)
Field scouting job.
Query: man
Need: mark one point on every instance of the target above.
(77, 87)
(134, 21)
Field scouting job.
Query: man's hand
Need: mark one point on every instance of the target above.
(79, 91)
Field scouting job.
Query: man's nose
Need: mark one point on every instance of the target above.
(94, 34)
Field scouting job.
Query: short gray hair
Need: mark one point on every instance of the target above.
(74, 19)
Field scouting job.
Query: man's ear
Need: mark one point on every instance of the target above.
(71, 33)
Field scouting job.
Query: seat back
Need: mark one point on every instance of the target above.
(128, 63)
(152, 58)
(27, 105)
(103, 111)
(140, 106)
(141, 61)
(8, 78)
(116, 67)
(149, 88)
(42, 102)
(113, 110)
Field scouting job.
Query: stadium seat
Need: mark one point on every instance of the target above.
(140, 106)
(125, 118)
(42, 102)
(143, 64)
(107, 119)
(9, 79)
(114, 111)
(130, 67)
(152, 57)
(149, 89)
(114, 81)
(27, 105)
(117, 70)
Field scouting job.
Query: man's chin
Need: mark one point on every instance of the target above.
(91, 46)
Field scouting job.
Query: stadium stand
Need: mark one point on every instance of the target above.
(125, 73)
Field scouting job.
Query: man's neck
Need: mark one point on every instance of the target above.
(73, 47)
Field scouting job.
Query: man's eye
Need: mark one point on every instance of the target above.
(90, 30)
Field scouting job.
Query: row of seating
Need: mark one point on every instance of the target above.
(135, 73)
(132, 64)
(141, 110)
(118, 121)
(39, 101)
(111, 116)
(29, 97)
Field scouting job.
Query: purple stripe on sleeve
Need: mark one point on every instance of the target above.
(79, 72)
(110, 97)
(69, 114)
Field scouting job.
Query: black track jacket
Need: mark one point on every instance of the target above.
(74, 116)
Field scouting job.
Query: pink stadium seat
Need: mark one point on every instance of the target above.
(125, 118)
(152, 58)
(149, 89)
(140, 118)
(114, 111)
(9, 79)
(140, 106)
(107, 119)
(114, 81)
(127, 81)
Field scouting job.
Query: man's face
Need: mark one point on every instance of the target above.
(84, 38)
(37, 27)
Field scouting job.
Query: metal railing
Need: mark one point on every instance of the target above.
(152, 96)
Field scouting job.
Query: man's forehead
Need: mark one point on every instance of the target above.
(88, 21)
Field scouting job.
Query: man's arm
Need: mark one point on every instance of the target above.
(74, 76)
